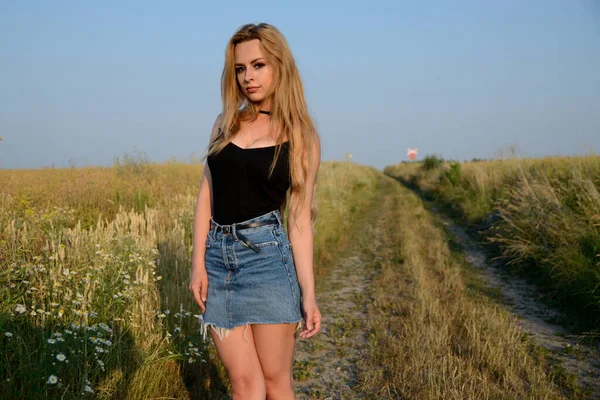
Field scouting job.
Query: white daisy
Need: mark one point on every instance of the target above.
(51, 341)
(52, 379)
(20, 309)
(61, 357)
(8, 334)
(88, 389)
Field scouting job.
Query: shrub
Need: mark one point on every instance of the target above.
(432, 162)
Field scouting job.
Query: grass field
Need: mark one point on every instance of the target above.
(542, 214)
(434, 333)
(94, 299)
(93, 282)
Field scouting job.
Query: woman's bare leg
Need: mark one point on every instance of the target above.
(238, 354)
(275, 347)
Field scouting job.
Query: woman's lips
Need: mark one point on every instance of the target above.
(252, 89)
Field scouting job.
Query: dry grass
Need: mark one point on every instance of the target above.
(546, 217)
(429, 338)
(94, 272)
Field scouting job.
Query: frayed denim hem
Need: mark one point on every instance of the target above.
(224, 332)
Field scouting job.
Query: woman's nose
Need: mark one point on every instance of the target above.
(249, 75)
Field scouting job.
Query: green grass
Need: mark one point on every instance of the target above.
(541, 215)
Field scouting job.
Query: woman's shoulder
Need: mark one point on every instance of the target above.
(216, 130)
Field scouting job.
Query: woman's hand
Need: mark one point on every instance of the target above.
(199, 284)
(312, 318)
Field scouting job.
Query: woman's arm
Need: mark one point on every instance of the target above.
(198, 276)
(301, 235)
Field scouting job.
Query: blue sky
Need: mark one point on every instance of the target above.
(84, 82)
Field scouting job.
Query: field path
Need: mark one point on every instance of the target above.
(535, 317)
(326, 365)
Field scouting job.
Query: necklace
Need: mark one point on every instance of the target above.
(264, 112)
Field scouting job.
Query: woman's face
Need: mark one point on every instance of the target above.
(254, 74)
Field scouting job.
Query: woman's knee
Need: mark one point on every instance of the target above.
(279, 386)
(247, 384)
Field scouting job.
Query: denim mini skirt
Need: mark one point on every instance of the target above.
(251, 276)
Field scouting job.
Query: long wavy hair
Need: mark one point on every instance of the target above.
(289, 112)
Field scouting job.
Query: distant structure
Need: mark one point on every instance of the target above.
(412, 153)
(348, 157)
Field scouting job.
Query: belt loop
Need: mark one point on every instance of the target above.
(278, 215)
(234, 231)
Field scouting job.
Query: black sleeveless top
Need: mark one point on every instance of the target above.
(240, 183)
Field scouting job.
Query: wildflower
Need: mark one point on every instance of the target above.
(20, 309)
(88, 389)
(8, 334)
(52, 379)
(60, 312)
(99, 349)
(68, 331)
(191, 360)
(105, 327)
(61, 357)
(33, 313)
(51, 341)
(66, 272)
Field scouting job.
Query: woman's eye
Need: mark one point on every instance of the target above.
(239, 69)
(259, 65)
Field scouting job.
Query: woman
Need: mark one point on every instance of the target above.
(253, 280)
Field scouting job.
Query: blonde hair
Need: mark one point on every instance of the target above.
(288, 109)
